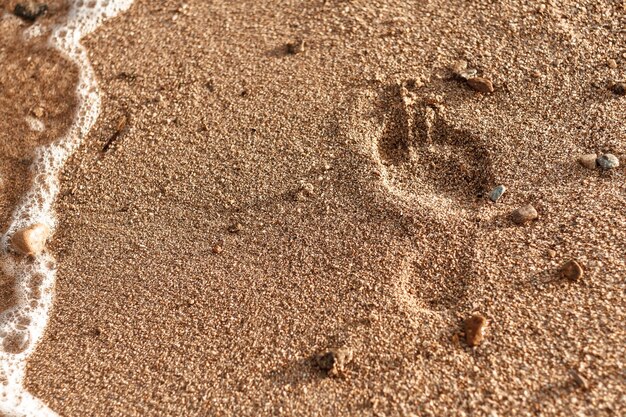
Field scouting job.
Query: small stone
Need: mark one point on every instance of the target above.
(34, 124)
(295, 47)
(30, 10)
(334, 361)
(571, 271)
(474, 326)
(38, 112)
(235, 228)
(468, 73)
(497, 193)
(619, 88)
(217, 249)
(551, 253)
(460, 70)
(611, 63)
(31, 240)
(524, 214)
(588, 161)
(607, 161)
(480, 84)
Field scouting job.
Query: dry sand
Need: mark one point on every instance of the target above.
(358, 170)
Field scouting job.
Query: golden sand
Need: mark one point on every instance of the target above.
(358, 163)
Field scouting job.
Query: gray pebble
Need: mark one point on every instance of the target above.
(607, 161)
(497, 193)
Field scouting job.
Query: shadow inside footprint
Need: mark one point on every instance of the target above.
(422, 153)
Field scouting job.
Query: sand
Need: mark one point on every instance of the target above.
(359, 170)
(37, 104)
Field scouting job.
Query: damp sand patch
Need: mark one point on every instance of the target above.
(32, 273)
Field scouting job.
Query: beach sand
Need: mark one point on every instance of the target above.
(242, 206)
(37, 104)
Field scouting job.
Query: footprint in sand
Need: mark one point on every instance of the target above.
(432, 172)
(423, 159)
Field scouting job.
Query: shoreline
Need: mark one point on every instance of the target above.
(27, 267)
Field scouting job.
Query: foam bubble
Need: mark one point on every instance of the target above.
(22, 326)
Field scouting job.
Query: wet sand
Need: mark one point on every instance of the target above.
(357, 170)
(37, 104)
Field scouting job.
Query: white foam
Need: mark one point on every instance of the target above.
(35, 124)
(34, 31)
(22, 326)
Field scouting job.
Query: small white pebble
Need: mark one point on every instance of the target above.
(31, 240)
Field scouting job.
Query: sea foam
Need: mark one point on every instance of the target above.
(22, 326)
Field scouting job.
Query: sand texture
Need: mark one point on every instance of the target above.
(248, 201)
(37, 104)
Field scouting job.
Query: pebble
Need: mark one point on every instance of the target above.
(619, 88)
(571, 271)
(497, 193)
(608, 161)
(461, 70)
(474, 326)
(235, 228)
(296, 47)
(31, 240)
(334, 361)
(30, 10)
(480, 84)
(217, 249)
(588, 161)
(38, 112)
(524, 214)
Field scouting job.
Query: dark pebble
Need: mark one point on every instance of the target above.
(607, 161)
(619, 88)
(30, 10)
